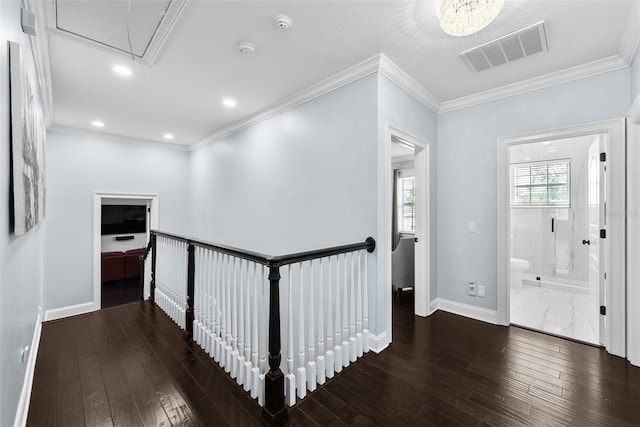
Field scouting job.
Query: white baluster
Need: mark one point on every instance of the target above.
(311, 356)
(345, 314)
(255, 370)
(329, 364)
(290, 378)
(247, 328)
(321, 373)
(240, 310)
(352, 311)
(365, 307)
(263, 305)
(337, 351)
(301, 373)
(359, 307)
(217, 272)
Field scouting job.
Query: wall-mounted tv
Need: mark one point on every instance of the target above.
(124, 219)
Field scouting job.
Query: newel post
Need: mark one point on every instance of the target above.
(191, 280)
(274, 407)
(152, 285)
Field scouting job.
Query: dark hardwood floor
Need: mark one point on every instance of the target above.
(129, 365)
(118, 292)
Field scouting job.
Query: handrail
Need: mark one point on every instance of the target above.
(274, 401)
(273, 261)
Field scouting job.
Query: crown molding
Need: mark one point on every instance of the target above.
(611, 63)
(631, 37)
(362, 69)
(40, 46)
(406, 82)
(68, 130)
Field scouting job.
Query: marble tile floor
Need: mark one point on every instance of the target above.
(559, 312)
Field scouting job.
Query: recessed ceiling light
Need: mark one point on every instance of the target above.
(229, 102)
(526, 159)
(97, 123)
(168, 136)
(122, 70)
(546, 142)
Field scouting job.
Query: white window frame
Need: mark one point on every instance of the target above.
(403, 174)
(547, 203)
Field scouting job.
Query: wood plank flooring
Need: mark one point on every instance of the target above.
(129, 365)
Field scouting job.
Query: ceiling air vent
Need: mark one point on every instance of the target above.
(516, 45)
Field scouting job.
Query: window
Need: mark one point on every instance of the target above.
(406, 187)
(541, 183)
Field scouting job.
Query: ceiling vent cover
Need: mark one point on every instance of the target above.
(516, 45)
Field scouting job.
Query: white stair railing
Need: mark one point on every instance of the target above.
(231, 302)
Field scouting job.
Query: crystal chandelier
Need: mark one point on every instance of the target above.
(466, 17)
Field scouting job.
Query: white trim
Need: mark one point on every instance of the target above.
(466, 310)
(377, 343)
(358, 71)
(87, 133)
(406, 82)
(611, 63)
(422, 289)
(631, 36)
(151, 199)
(633, 239)
(615, 243)
(71, 310)
(27, 384)
(634, 111)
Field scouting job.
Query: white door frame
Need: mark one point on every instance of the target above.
(98, 197)
(614, 134)
(422, 269)
(633, 231)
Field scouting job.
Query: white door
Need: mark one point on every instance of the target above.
(595, 221)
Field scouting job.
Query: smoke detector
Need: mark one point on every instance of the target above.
(282, 22)
(246, 48)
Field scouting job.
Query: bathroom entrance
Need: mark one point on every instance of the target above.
(557, 199)
(561, 235)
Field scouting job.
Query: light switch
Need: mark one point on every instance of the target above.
(472, 226)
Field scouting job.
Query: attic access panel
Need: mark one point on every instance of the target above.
(137, 28)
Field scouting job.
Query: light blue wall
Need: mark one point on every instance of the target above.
(403, 111)
(635, 75)
(467, 161)
(304, 179)
(21, 263)
(77, 168)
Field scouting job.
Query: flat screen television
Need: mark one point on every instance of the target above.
(124, 219)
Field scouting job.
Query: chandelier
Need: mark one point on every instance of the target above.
(466, 17)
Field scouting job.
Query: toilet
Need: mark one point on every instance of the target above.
(518, 268)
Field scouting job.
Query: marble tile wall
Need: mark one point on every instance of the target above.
(560, 253)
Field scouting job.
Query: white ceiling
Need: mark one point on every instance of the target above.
(199, 65)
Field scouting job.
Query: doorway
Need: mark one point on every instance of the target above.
(593, 265)
(122, 224)
(421, 218)
(556, 262)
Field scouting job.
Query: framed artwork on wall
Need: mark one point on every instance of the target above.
(28, 133)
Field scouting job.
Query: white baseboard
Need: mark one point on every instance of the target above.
(25, 395)
(377, 343)
(72, 310)
(471, 311)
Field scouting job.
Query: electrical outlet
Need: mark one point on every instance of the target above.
(482, 291)
(472, 288)
(24, 354)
